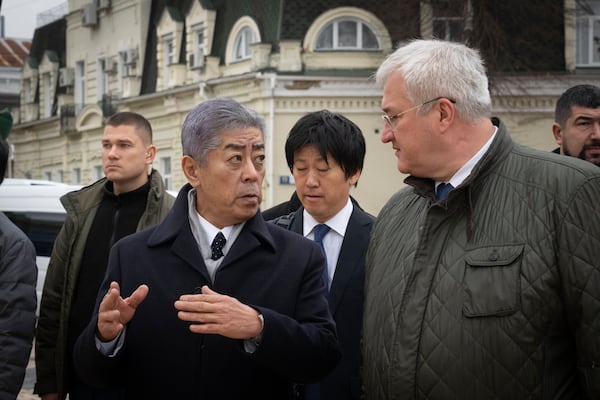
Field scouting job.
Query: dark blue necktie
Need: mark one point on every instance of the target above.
(217, 246)
(320, 231)
(443, 189)
(313, 391)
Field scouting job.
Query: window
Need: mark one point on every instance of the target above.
(48, 175)
(198, 46)
(241, 48)
(61, 176)
(98, 172)
(47, 82)
(346, 34)
(243, 33)
(79, 86)
(169, 46)
(40, 227)
(101, 81)
(76, 178)
(165, 171)
(588, 33)
(448, 19)
(168, 56)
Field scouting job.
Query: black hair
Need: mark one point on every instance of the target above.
(133, 119)
(330, 133)
(587, 96)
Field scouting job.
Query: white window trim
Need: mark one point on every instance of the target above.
(243, 22)
(199, 47)
(590, 19)
(359, 36)
(165, 164)
(347, 13)
(48, 94)
(101, 78)
(79, 95)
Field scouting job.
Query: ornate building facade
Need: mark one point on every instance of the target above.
(283, 58)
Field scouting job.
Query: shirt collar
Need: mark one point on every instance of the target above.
(338, 223)
(210, 231)
(466, 169)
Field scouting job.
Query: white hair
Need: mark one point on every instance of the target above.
(437, 68)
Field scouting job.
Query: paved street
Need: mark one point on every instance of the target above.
(27, 390)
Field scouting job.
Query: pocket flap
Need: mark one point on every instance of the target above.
(491, 256)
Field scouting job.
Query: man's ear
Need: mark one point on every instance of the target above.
(446, 111)
(353, 180)
(557, 131)
(190, 170)
(150, 154)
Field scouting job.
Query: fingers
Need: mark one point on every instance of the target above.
(207, 290)
(115, 312)
(206, 295)
(111, 298)
(137, 296)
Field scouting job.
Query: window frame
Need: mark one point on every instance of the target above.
(235, 36)
(359, 36)
(592, 45)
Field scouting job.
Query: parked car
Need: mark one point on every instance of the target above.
(34, 206)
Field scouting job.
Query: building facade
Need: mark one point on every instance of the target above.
(284, 59)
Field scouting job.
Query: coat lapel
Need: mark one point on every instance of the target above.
(253, 235)
(352, 255)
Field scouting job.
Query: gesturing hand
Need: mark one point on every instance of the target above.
(115, 311)
(211, 312)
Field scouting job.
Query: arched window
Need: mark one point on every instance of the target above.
(346, 34)
(243, 40)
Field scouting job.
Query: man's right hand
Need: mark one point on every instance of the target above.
(115, 312)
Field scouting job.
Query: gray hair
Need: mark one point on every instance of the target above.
(203, 126)
(437, 68)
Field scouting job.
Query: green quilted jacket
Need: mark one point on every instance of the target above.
(493, 293)
(61, 278)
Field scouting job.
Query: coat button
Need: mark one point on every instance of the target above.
(494, 256)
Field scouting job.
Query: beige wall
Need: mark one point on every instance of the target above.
(41, 147)
(524, 103)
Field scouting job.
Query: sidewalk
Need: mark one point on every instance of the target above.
(26, 392)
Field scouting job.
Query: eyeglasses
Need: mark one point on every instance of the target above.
(389, 120)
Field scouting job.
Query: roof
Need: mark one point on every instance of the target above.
(49, 37)
(13, 52)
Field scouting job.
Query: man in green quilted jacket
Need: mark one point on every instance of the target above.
(131, 197)
(483, 274)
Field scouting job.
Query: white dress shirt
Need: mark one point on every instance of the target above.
(332, 242)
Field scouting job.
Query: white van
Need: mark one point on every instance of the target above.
(35, 207)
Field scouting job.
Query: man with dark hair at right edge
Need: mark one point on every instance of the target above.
(576, 125)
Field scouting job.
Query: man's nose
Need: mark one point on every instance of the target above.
(596, 130)
(387, 134)
(249, 171)
(312, 178)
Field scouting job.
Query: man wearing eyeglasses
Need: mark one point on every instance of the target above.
(482, 276)
(576, 125)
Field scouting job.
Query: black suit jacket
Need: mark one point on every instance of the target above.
(268, 268)
(346, 297)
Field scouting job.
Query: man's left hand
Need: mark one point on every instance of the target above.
(214, 313)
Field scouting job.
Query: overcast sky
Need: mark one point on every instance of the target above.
(20, 16)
